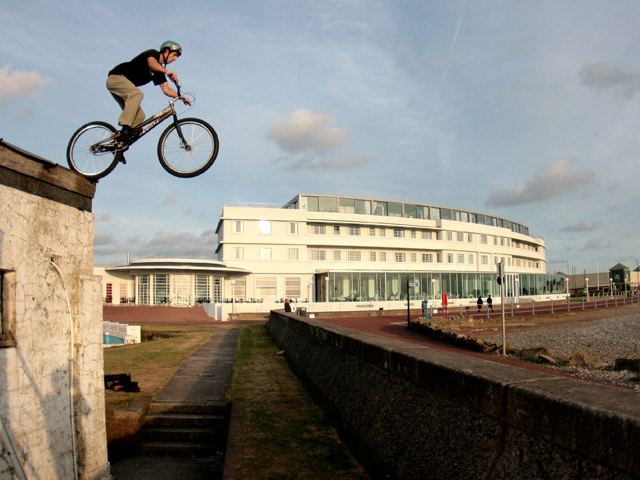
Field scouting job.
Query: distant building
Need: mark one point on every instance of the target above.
(333, 250)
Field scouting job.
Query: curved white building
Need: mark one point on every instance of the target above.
(322, 248)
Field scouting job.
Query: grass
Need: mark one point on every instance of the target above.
(152, 364)
(282, 432)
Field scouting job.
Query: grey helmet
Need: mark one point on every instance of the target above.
(172, 46)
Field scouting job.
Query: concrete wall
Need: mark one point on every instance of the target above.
(51, 363)
(413, 412)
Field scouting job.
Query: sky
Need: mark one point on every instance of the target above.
(527, 110)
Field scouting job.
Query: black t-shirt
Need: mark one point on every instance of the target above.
(137, 70)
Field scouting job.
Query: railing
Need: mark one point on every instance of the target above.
(531, 307)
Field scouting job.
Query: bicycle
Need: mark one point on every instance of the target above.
(187, 148)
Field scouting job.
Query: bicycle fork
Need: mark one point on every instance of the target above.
(183, 141)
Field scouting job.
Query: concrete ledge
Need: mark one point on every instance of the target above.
(415, 412)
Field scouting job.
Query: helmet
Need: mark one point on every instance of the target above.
(172, 46)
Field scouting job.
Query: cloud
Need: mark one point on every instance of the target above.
(596, 243)
(580, 227)
(310, 162)
(17, 84)
(559, 179)
(160, 245)
(603, 77)
(305, 130)
(170, 198)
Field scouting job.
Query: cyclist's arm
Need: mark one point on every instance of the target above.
(157, 67)
(170, 92)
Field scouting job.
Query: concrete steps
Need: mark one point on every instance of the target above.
(185, 430)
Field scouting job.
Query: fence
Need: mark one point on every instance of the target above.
(531, 307)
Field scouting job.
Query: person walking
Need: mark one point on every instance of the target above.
(490, 304)
(479, 302)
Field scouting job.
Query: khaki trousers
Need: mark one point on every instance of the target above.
(129, 97)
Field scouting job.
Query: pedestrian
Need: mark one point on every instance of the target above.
(292, 305)
(490, 304)
(479, 302)
(445, 301)
(287, 305)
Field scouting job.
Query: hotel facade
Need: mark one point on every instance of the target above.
(339, 253)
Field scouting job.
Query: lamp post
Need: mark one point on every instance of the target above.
(566, 281)
(233, 296)
(587, 281)
(611, 287)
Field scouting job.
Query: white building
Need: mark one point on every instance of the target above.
(339, 250)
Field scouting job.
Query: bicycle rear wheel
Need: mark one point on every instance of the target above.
(91, 151)
(193, 156)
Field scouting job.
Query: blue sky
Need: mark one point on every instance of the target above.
(523, 109)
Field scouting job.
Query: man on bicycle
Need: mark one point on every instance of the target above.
(124, 79)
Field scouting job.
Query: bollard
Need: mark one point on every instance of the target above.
(533, 308)
(552, 305)
(583, 304)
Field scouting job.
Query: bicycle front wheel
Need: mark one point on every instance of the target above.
(91, 151)
(188, 147)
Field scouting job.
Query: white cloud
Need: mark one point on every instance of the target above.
(16, 84)
(310, 162)
(603, 77)
(559, 179)
(580, 227)
(305, 130)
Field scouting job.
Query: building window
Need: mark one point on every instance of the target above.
(382, 232)
(202, 288)
(483, 238)
(449, 257)
(217, 290)
(318, 255)
(372, 256)
(109, 297)
(264, 226)
(383, 256)
(427, 258)
(354, 256)
(319, 230)
(239, 290)
(238, 226)
(266, 287)
(336, 229)
(426, 235)
(413, 257)
(460, 258)
(292, 254)
(400, 257)
(354, 231)
(413, 233)
(161, 289)
(143, 290)
(7, 308)
(460, 237)
(449, 236)
(293, 228)
(398, 233)
(470, 257)
(265, 253)
(469, 238)
(372, 231)
(292, 287)
(238, 253)
(336, 255)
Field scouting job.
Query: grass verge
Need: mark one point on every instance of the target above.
(152, 364)
(280, 432)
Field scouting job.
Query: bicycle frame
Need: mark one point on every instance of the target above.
(146, 126)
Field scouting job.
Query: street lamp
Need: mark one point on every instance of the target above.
(566, 281)
(233, 296)
(611, 287)
(587, 281)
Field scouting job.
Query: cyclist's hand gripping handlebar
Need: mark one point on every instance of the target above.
(185, 100)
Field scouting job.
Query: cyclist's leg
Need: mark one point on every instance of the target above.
(129, 97)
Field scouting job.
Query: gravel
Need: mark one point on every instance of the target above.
(606, 339)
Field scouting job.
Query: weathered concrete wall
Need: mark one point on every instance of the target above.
(413, 412)
(45, 219)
